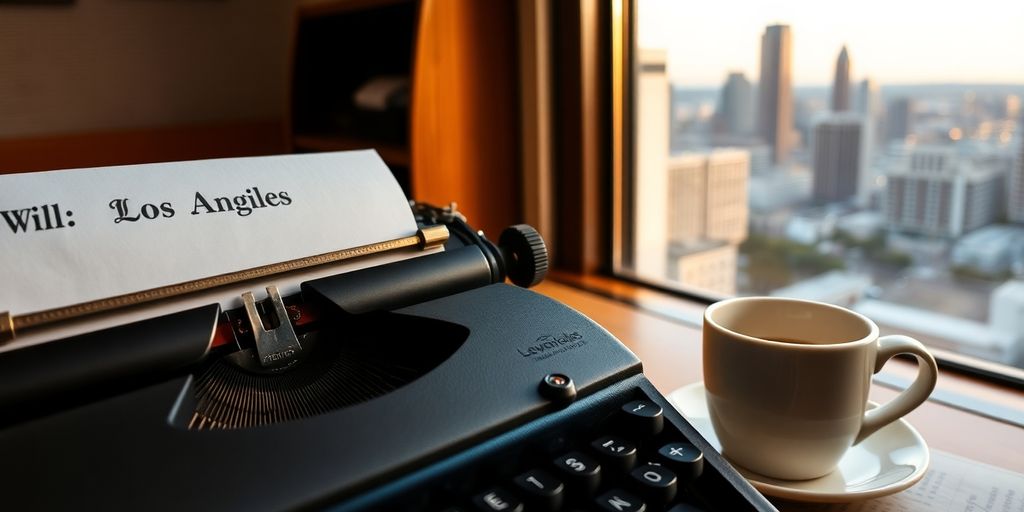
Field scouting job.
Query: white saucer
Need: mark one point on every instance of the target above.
(888, 461)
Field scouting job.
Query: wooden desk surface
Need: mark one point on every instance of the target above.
(671, 355)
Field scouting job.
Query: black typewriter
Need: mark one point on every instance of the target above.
(426, 384)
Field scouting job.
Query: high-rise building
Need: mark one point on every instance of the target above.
(687, 198)
(649, 246)
(936, 192)
(868, 103)
(1015, 207)
(727, 204)
(1006, 318)
(707, 195)
(839, 158)
(806, 112)
(708, 265)
(735, 112)
(899, 119)
(841, 83)
(707, 217)
(775, 94)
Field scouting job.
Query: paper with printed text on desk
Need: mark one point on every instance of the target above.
(951, 484)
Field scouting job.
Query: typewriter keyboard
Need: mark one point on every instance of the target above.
(631, 463)
(619, 453)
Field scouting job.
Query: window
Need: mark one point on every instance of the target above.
(870, 158)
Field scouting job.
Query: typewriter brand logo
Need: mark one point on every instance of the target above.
(549, 345)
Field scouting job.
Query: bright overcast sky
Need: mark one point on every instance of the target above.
(892, 41)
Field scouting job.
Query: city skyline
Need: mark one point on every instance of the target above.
(706, 42)
(904, 201)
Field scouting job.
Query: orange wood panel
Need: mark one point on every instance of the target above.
(464, 116)
(142, 145)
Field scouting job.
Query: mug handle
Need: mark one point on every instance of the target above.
(910, 398)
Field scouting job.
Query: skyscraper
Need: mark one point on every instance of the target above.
(649, 244)
(899, 121)
(708, 265)
(841, 83)
(708, 196)
(1006, 317)
(839, 157)
(1015, 208)
(867, 102)
(775, 94)
(938, 193)
(707, 217)
(735, 110)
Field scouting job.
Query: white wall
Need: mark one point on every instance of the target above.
(107, 64)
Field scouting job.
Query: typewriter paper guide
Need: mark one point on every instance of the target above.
(73, 236)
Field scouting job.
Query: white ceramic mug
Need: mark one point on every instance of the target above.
(787, 382)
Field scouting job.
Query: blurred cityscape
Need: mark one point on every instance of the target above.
(903, 202)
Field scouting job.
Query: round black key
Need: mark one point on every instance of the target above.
(656, 483)
(540, 490)
(643, 418)
(617, 500)
(616, 454)
(684, 458)
(582, 473)
(497, 499)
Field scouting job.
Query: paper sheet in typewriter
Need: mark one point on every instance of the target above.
(68, 237)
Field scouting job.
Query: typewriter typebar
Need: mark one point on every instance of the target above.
(426, 384)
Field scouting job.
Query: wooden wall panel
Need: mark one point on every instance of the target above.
(582, 153)
(465, 110)
(98, 65)
(141, 145)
